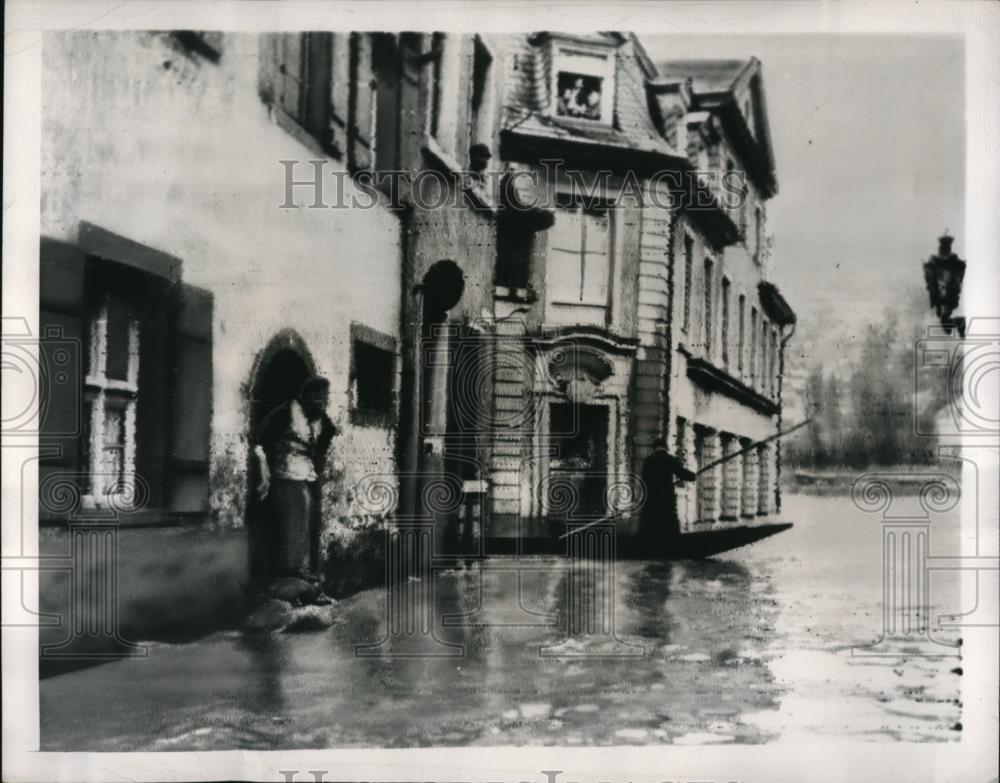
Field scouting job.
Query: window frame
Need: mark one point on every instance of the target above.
(582, 211)
(98, 391)
(688, 280)
(741, 333)
(708, 304)
(725, 294)
(589, 61)
(360, 334)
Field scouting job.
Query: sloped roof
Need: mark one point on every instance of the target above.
(706, 75)
(714, 84)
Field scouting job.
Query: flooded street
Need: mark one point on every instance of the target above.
(751, 646)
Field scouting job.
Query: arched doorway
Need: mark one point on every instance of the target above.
(276, 378)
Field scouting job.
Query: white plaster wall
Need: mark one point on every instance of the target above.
(182, 155)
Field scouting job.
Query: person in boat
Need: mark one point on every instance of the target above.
(291, 450)
(660, 470)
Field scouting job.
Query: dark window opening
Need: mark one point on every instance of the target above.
(579, 96)
(373, 376)
(688, 279)
(725, 322)
(514, 248)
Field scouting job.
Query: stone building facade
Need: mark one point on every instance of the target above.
(560, 276)
(643, 310)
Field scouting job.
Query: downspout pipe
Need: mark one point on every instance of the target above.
(781, 405)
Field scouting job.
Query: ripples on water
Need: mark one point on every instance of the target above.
(751, 647)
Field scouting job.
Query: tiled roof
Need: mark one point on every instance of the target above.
(706, 75)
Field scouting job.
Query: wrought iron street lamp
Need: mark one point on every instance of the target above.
(944, 272)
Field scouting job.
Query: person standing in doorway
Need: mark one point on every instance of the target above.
(660, 470)
(291, 449)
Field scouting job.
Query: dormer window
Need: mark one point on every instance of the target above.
(583, 81)
(579, 96)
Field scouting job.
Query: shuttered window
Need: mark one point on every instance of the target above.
(688, 278)
(325, 83)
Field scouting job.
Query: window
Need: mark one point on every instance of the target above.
(435, 97)
(325, 84)
(481, 103)
(708, 325)
(725, 322)
(763, 353)
(741, 331)
(583, 82)
(680, 439)
(362, 103)
(688, 278)
(753, 343)
(373, 377)
(580, 257)
(302, 81)
(579, 96)
(110, 394)
(773, 371)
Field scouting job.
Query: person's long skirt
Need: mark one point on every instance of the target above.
(292, 515)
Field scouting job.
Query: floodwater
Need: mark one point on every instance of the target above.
(752, 646)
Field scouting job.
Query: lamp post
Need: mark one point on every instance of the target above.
(944, 272)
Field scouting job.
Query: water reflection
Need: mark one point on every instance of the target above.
(646, 593)
(264, 691)
(714, 634)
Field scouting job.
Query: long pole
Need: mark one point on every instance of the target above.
(709, 466)
(751, 447)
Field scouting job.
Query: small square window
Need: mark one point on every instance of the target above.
(373, 377)
(580, 96)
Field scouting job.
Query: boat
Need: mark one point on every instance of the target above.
(695, 545)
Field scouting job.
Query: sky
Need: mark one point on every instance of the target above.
(869, 143)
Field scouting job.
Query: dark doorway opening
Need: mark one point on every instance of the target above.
(580, 462)
(281, 368)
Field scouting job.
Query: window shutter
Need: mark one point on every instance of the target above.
(340, 92)
(290, 86)
(190, 399)
(362, 76)
(62, 357)
(316, 74)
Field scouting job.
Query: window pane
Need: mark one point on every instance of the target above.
(119, 318)
(113, 447)
(563, 276)
(564, 267)
(597, 257)
(567, 231)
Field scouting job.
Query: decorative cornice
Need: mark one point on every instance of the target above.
(710, 377)
(590, 336)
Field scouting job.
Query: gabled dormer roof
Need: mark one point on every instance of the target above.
(715, 87)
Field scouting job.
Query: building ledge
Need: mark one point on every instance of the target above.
(710, 377)
(775, 305)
